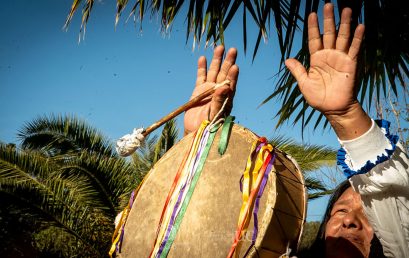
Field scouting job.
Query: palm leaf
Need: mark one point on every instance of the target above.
(82, 151)
(310, 158)
(64, 203)
(68, 176)
(111, 178)
(56, 135)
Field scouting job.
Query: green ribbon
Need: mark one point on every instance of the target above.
(226, 131)
(188, 196)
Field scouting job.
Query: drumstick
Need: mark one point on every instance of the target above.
(191, 103)
(128, 144)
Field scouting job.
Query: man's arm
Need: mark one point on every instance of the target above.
(371, 158)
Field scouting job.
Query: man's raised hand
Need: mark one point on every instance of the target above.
(218, 72)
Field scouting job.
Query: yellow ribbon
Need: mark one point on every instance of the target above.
(184, 175)
(117, 234)
(251, 183)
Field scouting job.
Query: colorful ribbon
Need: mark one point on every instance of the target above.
(172, 197)
(252, 185)
(260, 163)
(118, 235)
(182, 192)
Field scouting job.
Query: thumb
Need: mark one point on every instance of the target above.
(218, 99)
(297, 70)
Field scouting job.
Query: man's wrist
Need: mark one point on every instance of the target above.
(351, 123)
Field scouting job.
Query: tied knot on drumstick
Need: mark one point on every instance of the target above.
(129, 143)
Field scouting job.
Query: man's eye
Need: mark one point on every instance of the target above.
(342, 211)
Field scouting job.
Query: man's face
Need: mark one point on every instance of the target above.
(348, 232)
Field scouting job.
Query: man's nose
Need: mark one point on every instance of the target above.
(352, 220)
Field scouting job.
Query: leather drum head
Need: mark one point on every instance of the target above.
(209, 224)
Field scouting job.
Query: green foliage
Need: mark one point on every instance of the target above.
(207, 20)
(16, 227)
(58, 202)
(69, 182)
(309, 158)
(309, 234)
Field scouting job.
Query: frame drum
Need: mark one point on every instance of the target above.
(209, 224)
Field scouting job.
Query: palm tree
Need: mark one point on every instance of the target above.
(63, 205)
(70, 184)
(384, 55)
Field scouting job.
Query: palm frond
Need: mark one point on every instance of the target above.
(111, 178)
(316, 188)
(309, 157)
(86, 11)
(60, 202)
(167, 139)
(57, 134)
(120, 6)
(73, 9)
(82, 151)
(208, 20)
(142, 158)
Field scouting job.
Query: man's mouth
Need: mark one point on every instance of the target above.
(353, 239)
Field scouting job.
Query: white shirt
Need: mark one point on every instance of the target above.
(384, 189)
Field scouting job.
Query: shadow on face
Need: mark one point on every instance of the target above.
(339, 247)
(342, 247)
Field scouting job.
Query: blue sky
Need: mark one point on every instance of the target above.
(120, 79)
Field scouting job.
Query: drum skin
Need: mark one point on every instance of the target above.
(210, 221)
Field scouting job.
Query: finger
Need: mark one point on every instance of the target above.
(314, 38)
(329, 27)
(344, 30)
(228, 62)
(297, 70)
(201, 71)
(215, 64)
(222, 93)
(356, 42)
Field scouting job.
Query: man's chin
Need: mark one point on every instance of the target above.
(342, 247)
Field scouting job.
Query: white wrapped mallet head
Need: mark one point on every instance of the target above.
(129, 143)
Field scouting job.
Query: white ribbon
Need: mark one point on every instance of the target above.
(128, 144)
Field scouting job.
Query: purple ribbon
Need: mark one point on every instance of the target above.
(256, 206)
(121, 237)
(202, 143)
(252, 157)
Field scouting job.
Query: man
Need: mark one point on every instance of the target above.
(373, 161)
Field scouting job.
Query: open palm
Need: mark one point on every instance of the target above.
(328, 86)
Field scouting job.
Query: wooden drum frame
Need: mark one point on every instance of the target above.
(209, 224)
